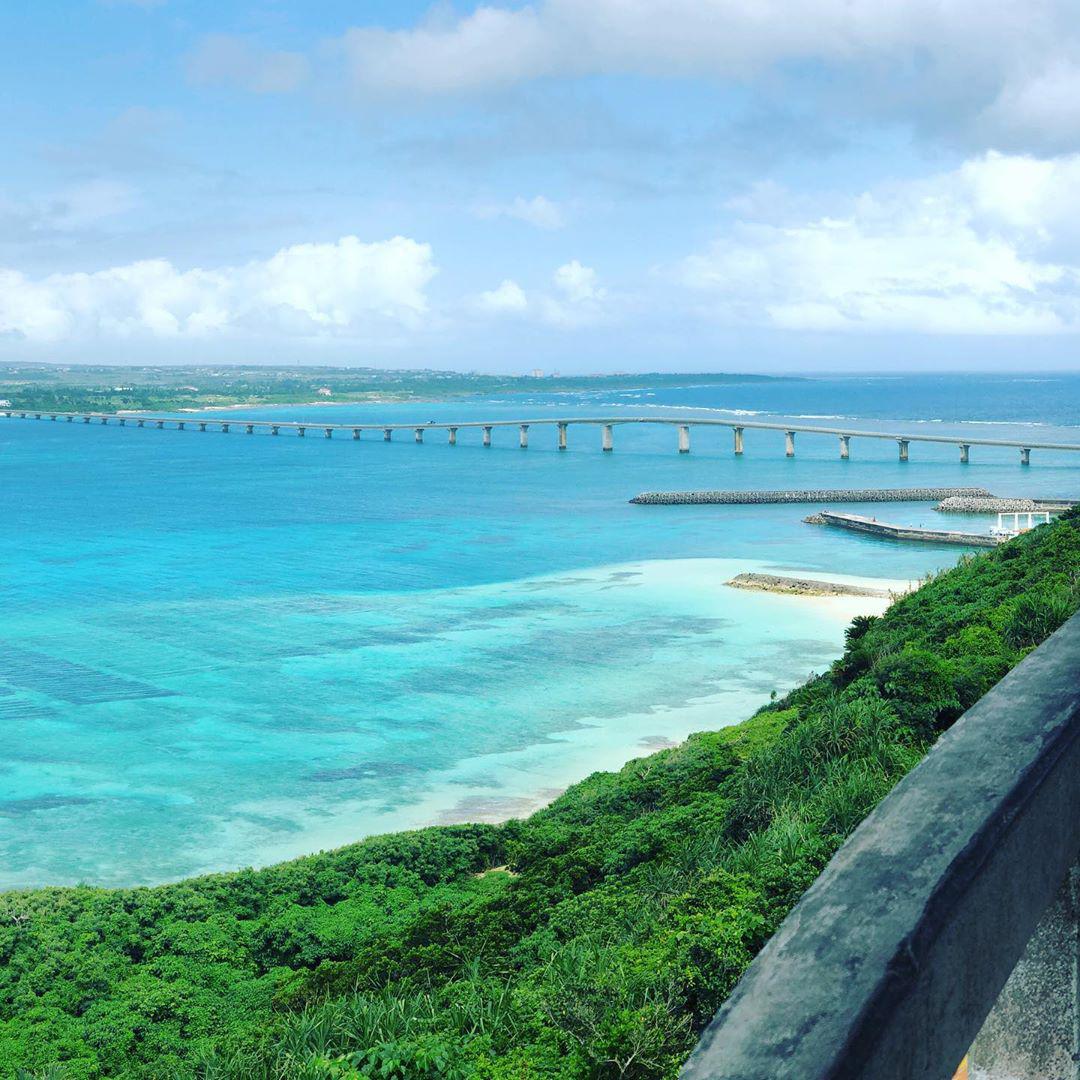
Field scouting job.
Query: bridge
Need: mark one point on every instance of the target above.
(607, 425)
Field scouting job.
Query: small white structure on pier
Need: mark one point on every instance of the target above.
(1020, 521)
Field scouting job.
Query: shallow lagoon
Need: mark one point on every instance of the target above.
(220, 650)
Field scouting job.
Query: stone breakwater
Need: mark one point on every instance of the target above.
(827, 495)
(988, 504)
(803, 586)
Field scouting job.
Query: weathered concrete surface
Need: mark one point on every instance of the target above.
(873, 527)
(888, 966)
(1033, 1032)
(807, 495)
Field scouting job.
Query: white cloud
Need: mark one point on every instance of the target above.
(344, 289)
(576, 298)
(221, 59)
(538, 211)
(508, 297)
(987, 248)
(577, 283)
(1008, 71)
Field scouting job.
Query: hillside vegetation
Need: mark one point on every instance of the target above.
(594, 939)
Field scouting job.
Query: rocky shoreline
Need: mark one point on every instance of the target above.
(776, 583)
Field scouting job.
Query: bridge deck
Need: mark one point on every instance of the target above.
(844, 433)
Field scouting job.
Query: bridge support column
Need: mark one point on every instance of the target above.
(53, 417)
(452, 437)
(104, 419)
(329, 432)
(37, 416)
(684, 439)
(845, 447)
(562, 436)
(606, 441)
(225, 429)
(523, 437)
(487, 436)
(356, 433)
(179, 425)
(1025, 456)
(965, 453)
(388, 434)
(85, 419)
(160, 424)
(123, 422)
(249, 429)
(140, 423)
(69, 419)
(789, 444)
(419, 434)
(300, 432)
(202, 426)
(739, 441)
(903, 444)
(273, 429)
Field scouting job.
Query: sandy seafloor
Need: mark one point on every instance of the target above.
(763, 642)
(220, 651)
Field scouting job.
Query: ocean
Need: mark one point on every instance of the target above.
(220, 651)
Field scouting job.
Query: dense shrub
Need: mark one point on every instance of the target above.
(592, 940)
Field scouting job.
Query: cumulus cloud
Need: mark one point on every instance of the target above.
(577, 283)
(538, 211)
(344, 289)
(509, 296)
(575, 298)
(987, 248)
(1006, 72)
(222, 59)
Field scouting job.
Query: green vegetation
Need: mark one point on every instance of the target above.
(594, 939)
(168, 389)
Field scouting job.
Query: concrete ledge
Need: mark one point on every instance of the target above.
(824, 495)
(888, 966)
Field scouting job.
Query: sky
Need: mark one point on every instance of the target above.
(571, 185)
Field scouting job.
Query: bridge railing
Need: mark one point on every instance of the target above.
(682, 424)
(892, 965)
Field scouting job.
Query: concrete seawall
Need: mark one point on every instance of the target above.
(679, 498)
(857, 523)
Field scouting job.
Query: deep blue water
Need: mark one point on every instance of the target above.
(220, 650)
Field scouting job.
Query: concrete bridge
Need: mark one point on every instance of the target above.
(607, 425)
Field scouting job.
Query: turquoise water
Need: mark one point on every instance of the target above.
(221, 650)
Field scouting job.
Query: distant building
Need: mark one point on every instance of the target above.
(325, 391)
(4, 403)
(537, 373)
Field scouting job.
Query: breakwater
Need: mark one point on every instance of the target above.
(777, 583)
(826, 495)
(989, 504)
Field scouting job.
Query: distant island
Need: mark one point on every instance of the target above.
(114, 388)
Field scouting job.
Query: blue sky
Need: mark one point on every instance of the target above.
(615, 185)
